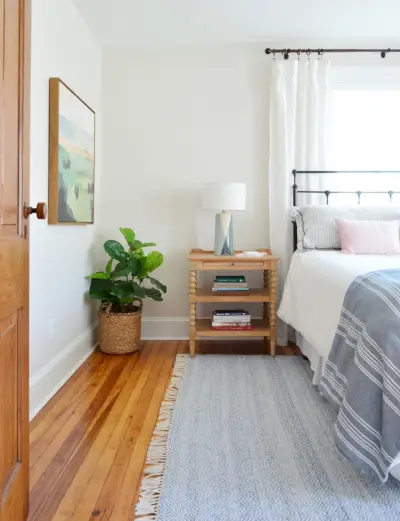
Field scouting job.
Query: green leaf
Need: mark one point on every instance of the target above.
(134, 266)
(155, 294)
(98, 275)
(153, 260)
(126, 267)
(129, 235)
(121, 269)
(122, 290)
(139, 244)
(109, 267)
(158, 284)
(141, 271)
(100, 289)
(138, 290)
(115, 250)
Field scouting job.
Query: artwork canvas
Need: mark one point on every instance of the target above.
(71, 157)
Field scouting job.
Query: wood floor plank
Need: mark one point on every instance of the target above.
(98, 497)
(102, 453)
(44, 450)
(90, 442)
(81, 436)
(81, 377)
(73, 401)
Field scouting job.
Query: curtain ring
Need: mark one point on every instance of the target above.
(273, 53)
(309, 54)
(298, 54)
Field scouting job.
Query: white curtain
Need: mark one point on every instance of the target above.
(299, 108)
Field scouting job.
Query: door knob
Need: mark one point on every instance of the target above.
(40, 211)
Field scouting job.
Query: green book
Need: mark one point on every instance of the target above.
(230, 278)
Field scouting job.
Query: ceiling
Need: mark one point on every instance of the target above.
(155, 23)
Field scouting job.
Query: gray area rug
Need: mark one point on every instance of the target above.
(251, 440)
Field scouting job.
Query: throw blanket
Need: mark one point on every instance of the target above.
(362, 376)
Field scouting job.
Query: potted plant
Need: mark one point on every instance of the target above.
(121, 288)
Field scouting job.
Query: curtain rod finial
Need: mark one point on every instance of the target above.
(268, 51)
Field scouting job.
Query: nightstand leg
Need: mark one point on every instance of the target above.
(272, 308)
(266, 312)
(192, 314)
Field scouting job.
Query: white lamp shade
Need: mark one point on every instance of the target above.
(224, 196)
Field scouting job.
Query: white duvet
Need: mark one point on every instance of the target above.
(315, 288)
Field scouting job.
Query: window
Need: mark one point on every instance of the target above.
(365, 134)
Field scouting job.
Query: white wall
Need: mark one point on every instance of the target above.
(62, 322)
(172, 121)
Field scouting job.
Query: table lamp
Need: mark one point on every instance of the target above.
(224, 197)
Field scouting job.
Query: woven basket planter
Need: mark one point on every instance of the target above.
(119, 333)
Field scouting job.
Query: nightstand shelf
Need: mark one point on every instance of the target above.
(201, 260)
(254, 295)
(259, 328)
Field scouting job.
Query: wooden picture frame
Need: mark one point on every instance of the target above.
(72, 126)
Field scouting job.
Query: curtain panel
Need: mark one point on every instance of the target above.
(299, 114)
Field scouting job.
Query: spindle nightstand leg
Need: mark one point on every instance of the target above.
(266, 310)
(192, 313)
(272, 307)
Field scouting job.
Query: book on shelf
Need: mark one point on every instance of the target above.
(231, 289)
(230, 312)
(231, 324)
(230, 278)
(230, 284)
(236, 318)
(231, 319)
(231, 328)
(240, 321)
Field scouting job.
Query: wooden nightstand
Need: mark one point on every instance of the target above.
(201, 260)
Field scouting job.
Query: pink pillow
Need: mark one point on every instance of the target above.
(369, 237)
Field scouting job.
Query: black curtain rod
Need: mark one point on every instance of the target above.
(320, 52)
(295, 172)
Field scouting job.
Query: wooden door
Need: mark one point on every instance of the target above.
(14, 258)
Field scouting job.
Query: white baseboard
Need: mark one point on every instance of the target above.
(165, 328)
(45, 383)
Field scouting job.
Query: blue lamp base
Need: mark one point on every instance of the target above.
(223, 234)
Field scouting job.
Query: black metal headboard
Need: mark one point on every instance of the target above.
(327, 193)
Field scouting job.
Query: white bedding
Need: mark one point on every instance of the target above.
(315, 288)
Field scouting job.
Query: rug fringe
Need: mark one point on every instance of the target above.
(153, 473)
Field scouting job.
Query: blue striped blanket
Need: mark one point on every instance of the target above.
(362, 375)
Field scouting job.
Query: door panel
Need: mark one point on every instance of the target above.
(14, 258)
(12, 269)
(9, 207)
(9, 402)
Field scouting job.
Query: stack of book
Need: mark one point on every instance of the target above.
(231, 319)
(230, 283)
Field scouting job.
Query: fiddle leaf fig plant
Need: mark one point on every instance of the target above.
(126, 279)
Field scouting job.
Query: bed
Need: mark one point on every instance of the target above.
(314, 292)
(345, 310)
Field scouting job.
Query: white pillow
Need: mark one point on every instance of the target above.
(317, 227)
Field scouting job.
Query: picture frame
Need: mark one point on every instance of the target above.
(72, 129)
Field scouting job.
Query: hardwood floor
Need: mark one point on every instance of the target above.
(89, 443)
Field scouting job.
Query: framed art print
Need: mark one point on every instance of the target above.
(71, 157)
